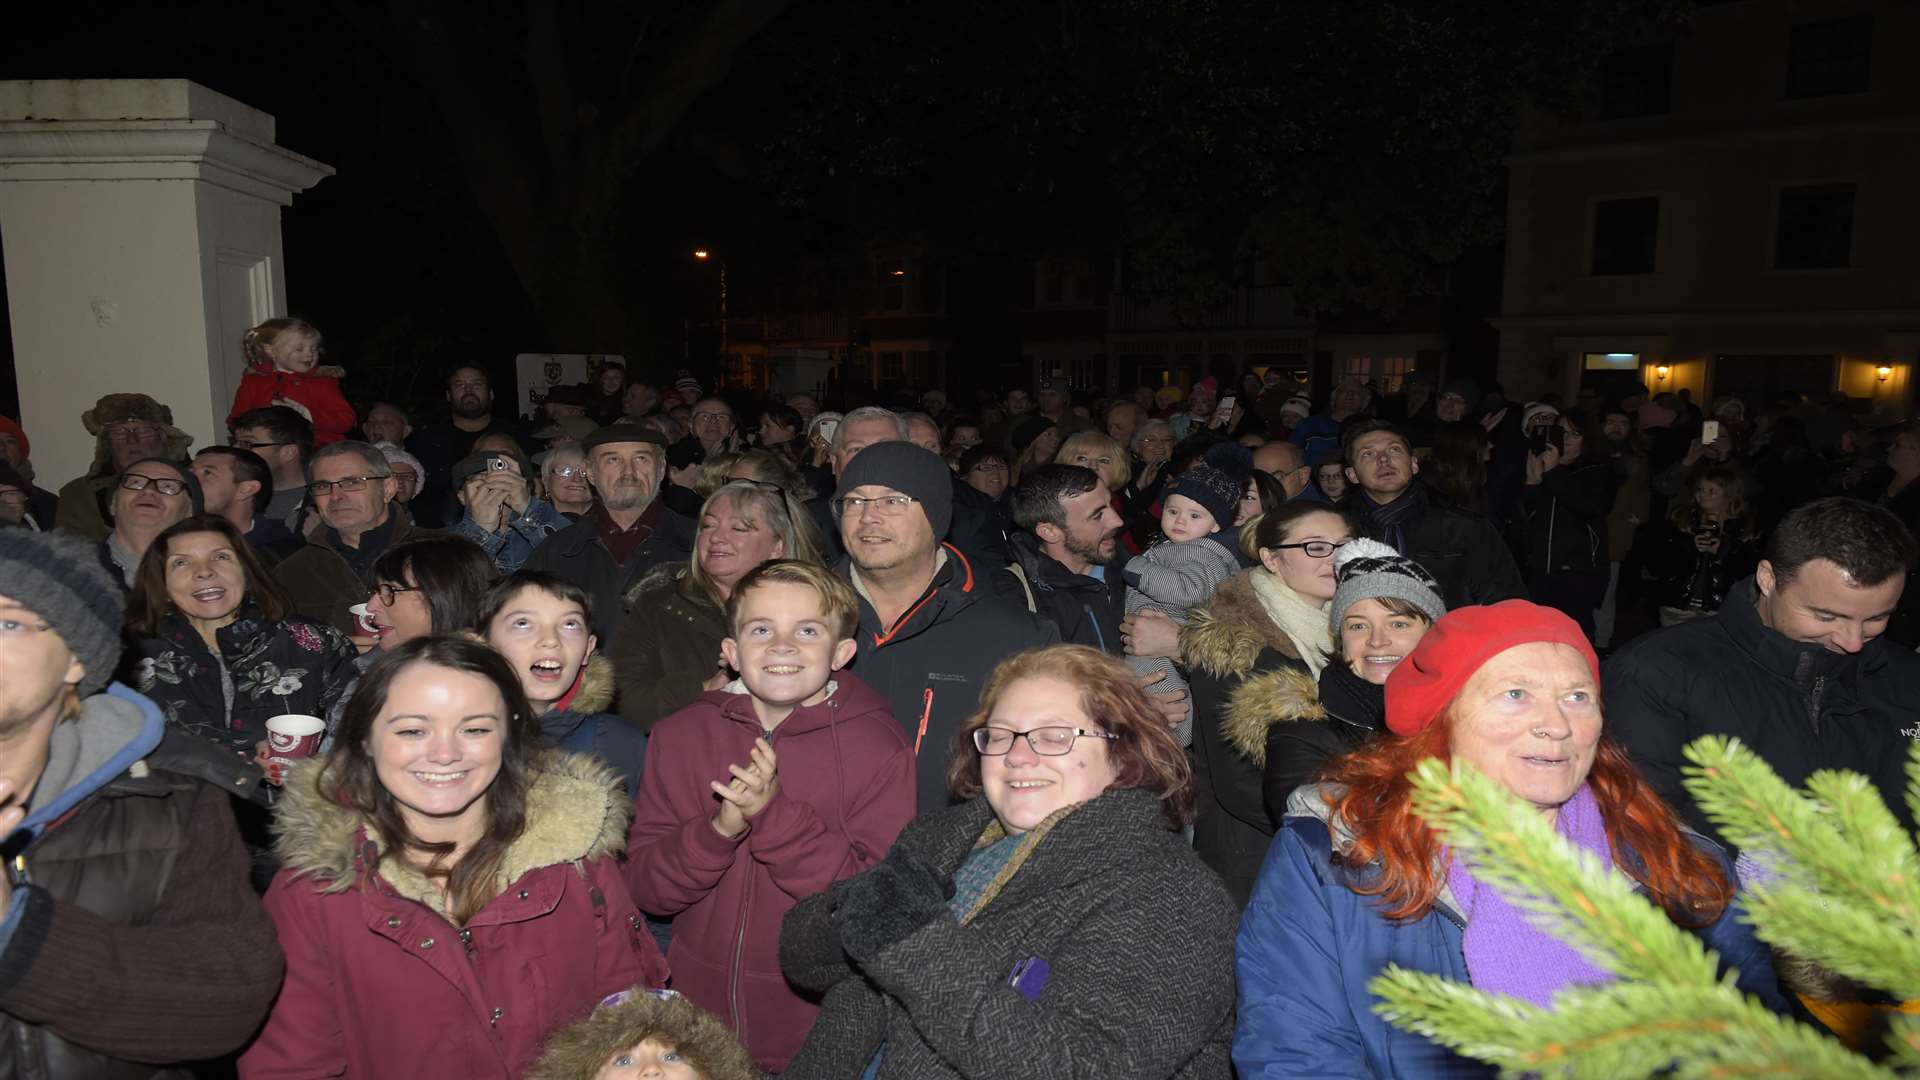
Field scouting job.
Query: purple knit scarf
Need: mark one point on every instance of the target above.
(1506, 953)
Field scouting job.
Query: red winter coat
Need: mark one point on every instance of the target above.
(846, 791)
(317, 393)
(379, 984)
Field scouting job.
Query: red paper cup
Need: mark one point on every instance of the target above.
(363, 619)
(294, 736)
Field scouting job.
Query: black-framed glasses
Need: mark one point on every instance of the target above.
(387, 590)
(1045, 741)
(887, 505)
(1315, 549)
(133, 481)
(348, 484)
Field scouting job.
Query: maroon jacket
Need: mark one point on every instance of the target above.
(380, 984)
(846, 791)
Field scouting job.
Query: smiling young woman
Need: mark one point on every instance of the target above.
(439, 831)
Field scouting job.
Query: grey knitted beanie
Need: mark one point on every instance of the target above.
(1368, 570)
(907, 469)
(60, 578)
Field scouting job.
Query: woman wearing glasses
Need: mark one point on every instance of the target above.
(432, 585)
(668, 651)
(1271, 617)
(1053, 924)
(563, 474)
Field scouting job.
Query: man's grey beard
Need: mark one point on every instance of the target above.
(628, 497)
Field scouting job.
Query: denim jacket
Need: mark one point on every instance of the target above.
(511, 544)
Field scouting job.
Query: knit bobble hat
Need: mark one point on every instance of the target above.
(1369, 570)
(1459, 644)
(60, 578)
(1217, 482)
(907, 469)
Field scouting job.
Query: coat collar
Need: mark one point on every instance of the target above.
(576, 811)
(1781, 656)
(1227, 636)
(1285, 695)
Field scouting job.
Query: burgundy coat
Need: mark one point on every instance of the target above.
(380, 984)
(846, 790)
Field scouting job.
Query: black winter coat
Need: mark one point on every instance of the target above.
(578, 554)
(1228, 645)
(669, 646)
(1461, 549)
(1800, 707)
(1138, 936)
(1567, 518)
(932, 664)
(1687, 578)
(1289, 727)
(1086, 611)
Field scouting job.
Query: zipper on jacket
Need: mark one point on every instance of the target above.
(740, 959)
(926, 713)
(1815, 697)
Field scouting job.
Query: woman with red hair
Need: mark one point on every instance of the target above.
(1357, 881)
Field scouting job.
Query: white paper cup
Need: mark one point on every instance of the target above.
(363, 619)
(293, 736)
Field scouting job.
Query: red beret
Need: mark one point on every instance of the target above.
(8, 425)
(1463, 639)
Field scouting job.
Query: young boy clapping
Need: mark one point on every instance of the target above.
(790, 778)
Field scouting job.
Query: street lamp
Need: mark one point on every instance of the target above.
(702, 255)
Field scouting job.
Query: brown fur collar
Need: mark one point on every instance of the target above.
(576, 810)
(1285, 695)
(582, 1049)
(1226, 636)
(596, 686)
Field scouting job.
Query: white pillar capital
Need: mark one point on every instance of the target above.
(141, 225)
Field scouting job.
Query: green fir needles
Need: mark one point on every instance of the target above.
(1841, 890)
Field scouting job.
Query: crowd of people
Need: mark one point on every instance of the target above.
(683, 731)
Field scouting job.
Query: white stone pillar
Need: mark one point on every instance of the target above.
(140, 220)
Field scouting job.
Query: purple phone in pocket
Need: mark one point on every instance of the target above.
(1030, 977)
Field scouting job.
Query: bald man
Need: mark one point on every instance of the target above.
(1286, 463)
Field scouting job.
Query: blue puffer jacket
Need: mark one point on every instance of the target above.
(1309, 945)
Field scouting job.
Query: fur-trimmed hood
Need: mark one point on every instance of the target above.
(1285, 695)
(596, 686)
(576, 810)
(1227, 636)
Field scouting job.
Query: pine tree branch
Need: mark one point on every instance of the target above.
(1839, 933)
(1566, 891)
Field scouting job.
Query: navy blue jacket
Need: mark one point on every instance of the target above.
(1309, 945)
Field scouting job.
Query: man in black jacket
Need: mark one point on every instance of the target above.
(628, 532)
(1066, 566)
(1793, 664)
(931, 630)
(1461, 549)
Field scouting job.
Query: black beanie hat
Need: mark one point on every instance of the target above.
(60, 578)
(1217, 482)
(909, 470)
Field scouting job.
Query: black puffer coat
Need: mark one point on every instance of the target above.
(1798, 706)
(1567, 518)
(1087, 611)
(1138, 936)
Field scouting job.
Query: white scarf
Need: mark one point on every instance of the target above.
(1307, 626)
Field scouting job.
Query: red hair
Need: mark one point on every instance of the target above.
(1377, 806)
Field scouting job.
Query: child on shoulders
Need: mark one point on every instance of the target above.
(283, 368)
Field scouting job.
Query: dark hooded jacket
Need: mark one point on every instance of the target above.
(846, 791)
(669, 646)
(1285, 724)
(1226, 644)
(581, 725)
(1461, 549)
(577, 554)
(132, 939)
(1798, 706)
(932, 664)
(1086, 610)
(323, 585)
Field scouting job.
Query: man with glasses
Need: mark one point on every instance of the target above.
(151, 495)
(438, 445)
(931, 628)
(629, 530)
(1461, 549)
(128, 428)
(1286, 463)
(501, 513)
(351, 486)
(283, 439)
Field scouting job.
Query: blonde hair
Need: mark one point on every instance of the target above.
(779, 512)
(1093, 444)
(253, 344)
(837, 602)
